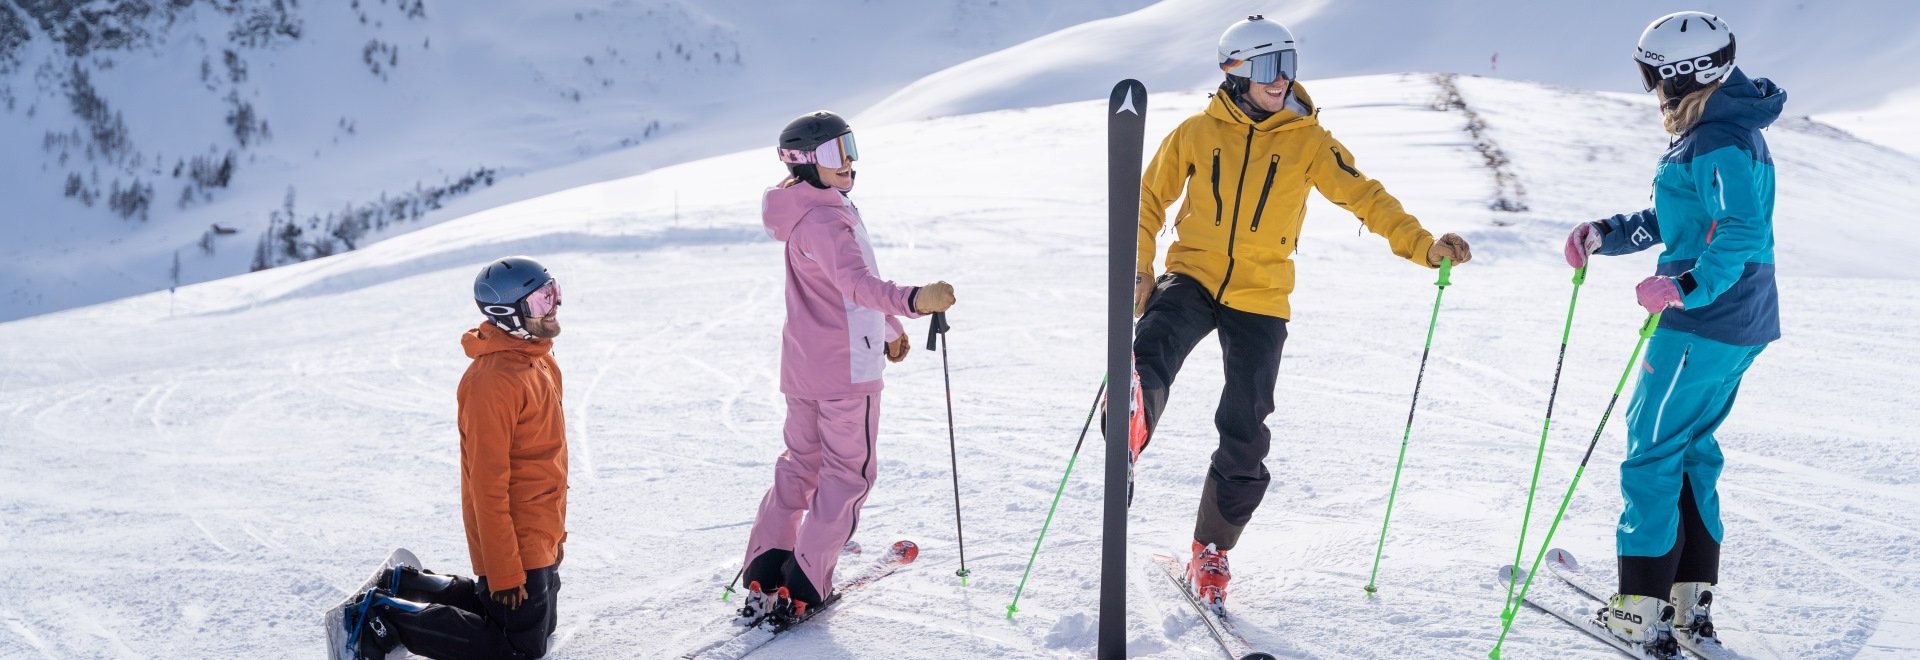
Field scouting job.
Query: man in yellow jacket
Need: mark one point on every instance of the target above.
(1244, 165)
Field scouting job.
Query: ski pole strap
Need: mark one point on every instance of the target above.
(1446, 273)
(935, 329)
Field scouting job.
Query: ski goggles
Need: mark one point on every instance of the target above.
(543, 301)
(1264, 68)
(832, 154)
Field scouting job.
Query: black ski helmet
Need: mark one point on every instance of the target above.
(805, 133)
(503, 285)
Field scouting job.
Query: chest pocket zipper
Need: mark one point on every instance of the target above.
(1273, 166)
(1217, 204)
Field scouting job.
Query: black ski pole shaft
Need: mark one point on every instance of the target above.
(936, 331)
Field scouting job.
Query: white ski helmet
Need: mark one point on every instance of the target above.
(1683, 52)
(1259, 50)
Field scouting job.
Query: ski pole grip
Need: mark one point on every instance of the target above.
(1580, 276)
(1646, 329)
(1446, 273)
(935, 329)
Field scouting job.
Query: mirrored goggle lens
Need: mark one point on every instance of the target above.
(544, 300)
(837, 152)
(1264, 68)
(1269, 67)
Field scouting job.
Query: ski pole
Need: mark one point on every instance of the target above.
(728, 592)
(1579, 277)
(1646, 331)
(1056, 499)
(1446, 270)
(935, 331)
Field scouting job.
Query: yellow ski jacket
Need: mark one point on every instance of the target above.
(1246, 194)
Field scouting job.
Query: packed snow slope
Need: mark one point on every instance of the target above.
(199, 477)
(316, 110)
(1849, 59)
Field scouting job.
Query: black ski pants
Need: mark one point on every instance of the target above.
(1695, 556)
(1181, 312)
(462, 621)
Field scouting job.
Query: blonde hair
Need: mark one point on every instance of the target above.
(1678, 116)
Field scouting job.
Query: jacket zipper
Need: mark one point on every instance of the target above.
(1273, 165)
(1219, 297)
(1217, 205)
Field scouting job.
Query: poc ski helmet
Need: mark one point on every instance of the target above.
(1684, 52)
(802, 140)
(502, 288)
(1257, 50)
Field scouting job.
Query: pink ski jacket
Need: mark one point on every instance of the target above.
(840, 314)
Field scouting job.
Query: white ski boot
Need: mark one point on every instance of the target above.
(755, 607)
(1692, 605)
(1643, 621)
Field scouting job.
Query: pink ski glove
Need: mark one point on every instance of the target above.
(1657, 293)
(1584, 240)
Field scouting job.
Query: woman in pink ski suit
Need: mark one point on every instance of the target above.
(842, 321)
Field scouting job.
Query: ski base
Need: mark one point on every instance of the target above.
(737, 641)
(1219, 625)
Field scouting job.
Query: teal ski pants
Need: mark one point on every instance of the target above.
(1687, 387)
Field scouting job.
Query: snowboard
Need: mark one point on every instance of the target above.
(338, 636)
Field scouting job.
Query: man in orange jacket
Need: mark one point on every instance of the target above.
(513, 491)
(1245, 166)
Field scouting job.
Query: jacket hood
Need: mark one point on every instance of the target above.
(1752, 103)
(489, 338)
(785, 204)
(1222, 108)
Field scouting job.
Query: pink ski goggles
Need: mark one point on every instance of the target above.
(832, 154)
(543, 300)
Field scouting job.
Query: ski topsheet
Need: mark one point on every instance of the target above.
(335, 617)
(735, 642)
(1562, 565)
(1126, 137)
(1219, 626)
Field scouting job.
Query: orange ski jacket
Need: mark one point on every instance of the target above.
(513, 455)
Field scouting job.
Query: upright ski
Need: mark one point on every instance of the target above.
(1219, 625)
(1126, 138)
(737, 641)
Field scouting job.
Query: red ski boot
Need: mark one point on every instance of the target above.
(1207, 575)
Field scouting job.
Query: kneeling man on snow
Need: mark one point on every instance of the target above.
(513, 492)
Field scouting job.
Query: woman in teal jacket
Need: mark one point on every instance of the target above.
(1714, 288)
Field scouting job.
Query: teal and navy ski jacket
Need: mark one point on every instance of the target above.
(1713, 208)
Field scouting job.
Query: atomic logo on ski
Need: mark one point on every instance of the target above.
(1126, 104)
